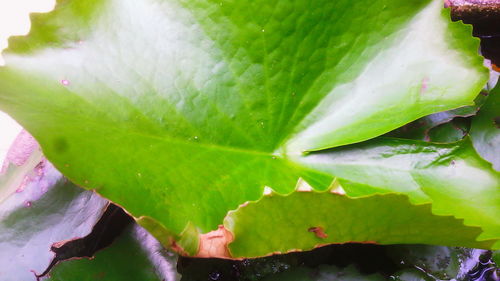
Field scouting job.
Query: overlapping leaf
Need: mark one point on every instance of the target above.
(134, 256)
(43, 209)
(305, 220)
(180, 111)
(450, 176)
(485, 130)
(438, 127)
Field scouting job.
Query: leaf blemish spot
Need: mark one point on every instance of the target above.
(318, 231)
(61, 144)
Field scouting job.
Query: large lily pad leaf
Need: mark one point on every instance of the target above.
(44, 209)
(136, 255)
(182, 110)
(485, 129)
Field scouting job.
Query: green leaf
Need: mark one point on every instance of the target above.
(181, 110)
(485, 129)
(135, 256)
(427, 127)
(496, 257)
(452, 131)
(305, 220)
(44, 209)
(450, 176)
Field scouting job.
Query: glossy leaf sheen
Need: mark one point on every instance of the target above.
(425, 128)
(450, 132)
(485, 129)
(134, 256)
(45, 209)
(442, 263)
(450, 176)
(182, 110)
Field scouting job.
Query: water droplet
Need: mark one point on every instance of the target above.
(65, 82)
(263, 30)
(214, 276)
(27, 204)
(196, 137)
(293, 94)
(139, 174)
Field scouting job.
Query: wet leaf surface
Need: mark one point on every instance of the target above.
(358, 261)
(425, 128)
(110, 225)
(44, 209)
(134, 256)
(485, 130)
(437, 262)
(452, 131)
